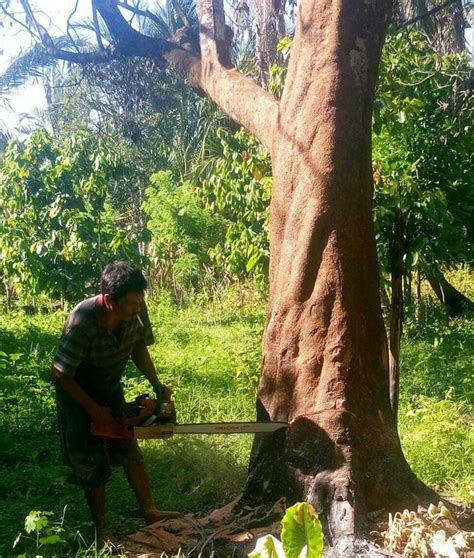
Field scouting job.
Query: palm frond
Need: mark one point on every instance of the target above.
(32, 63)
(28, 64)
(245, 58)
(170, 21)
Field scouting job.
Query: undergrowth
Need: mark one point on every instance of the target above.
(209, 353)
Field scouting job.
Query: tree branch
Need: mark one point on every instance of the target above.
(239, 96)
(13, 18)
(242, 99)
(212, 30)
(68, 24)
(95, 21)
(128, 41)
(180, 13)
(77, 57)
(144, 13)
(42, 33)
(426, 14)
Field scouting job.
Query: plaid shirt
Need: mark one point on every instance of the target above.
(93, 355)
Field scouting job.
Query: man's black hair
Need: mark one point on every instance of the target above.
(120, 278)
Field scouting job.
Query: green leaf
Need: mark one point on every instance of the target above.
(252, 261)
(36, 521)
(15, 356)
(52, 539)
(268, 547)
(301, 528)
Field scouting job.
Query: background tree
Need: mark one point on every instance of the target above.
(264, 23)
(443, 21)
(423, 152)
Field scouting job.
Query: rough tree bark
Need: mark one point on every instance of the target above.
(325, 361)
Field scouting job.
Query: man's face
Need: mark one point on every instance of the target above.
(128, 307)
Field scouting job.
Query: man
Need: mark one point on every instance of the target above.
(99, 337)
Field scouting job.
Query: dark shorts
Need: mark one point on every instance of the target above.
(89, 456)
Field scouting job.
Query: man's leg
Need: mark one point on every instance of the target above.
(139, 479)
(96, 501)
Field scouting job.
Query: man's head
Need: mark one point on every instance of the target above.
(123, 285)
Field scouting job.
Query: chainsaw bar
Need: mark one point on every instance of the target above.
(156, 431)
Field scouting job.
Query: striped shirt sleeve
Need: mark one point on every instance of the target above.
(71, 351)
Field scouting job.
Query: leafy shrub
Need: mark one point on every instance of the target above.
(424, 154)
(57, 223)
(181, 233)
(237, 186)
(48, 535)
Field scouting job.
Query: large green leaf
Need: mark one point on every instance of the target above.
(268, 547)
(302, 532)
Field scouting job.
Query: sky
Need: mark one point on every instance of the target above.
(13, 39)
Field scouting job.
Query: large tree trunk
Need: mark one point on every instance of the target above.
(325, 362)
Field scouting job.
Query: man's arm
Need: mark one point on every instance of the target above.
(98, 414)
(142, 359)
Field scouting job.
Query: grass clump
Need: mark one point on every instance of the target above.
(438, 441)
(435, 419)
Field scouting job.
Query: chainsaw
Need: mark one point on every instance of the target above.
(144, 419)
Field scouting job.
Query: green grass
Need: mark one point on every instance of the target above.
(209, 352)
(436, 421)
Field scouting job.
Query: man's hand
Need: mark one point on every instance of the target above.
(142, 359)
(146, 407)
(102, 416)
(162, 393)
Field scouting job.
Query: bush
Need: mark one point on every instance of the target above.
(181, 234)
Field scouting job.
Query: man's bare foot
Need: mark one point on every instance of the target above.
(104, 537)
(152, 516)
